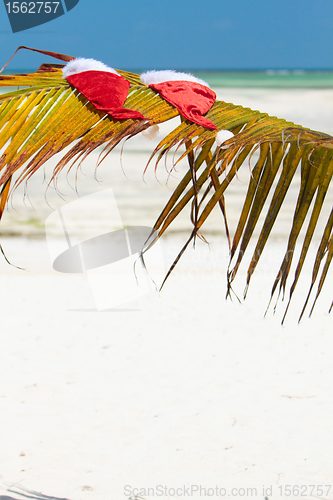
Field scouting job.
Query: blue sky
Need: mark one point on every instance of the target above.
(184, 34)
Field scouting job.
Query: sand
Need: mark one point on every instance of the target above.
(171, 392)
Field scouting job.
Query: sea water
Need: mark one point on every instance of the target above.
(270, 78)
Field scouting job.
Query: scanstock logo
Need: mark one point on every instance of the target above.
(24, 15)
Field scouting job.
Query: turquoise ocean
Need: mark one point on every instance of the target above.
(322, 79)
(268, 79)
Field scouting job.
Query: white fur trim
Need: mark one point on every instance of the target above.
(222, 136)
(80, 64)
(168, 75)
(151, 132)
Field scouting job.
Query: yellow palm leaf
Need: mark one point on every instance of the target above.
(47, 115)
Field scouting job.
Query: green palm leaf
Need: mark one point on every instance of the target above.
(47, 115)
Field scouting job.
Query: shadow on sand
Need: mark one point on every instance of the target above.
(21, 493)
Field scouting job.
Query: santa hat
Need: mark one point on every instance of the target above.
(102, 86)
(190, 95)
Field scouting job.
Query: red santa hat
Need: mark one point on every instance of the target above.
(102, 86)
(190, 95)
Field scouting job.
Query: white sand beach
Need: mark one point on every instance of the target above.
(171, 392)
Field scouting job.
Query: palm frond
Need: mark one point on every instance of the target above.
(39, 121)
(46, 115)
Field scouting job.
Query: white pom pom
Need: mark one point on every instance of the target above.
(222, 136)
(168, 75)
(81, 64)
(151, 132)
